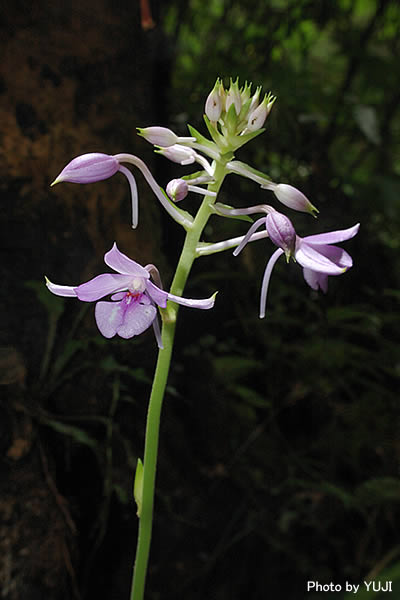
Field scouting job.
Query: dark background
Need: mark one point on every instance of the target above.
(279, 451)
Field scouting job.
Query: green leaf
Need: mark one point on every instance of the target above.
(243, 139)
(70, 348)
(216, 136)
(79, 435)
(121, 493)
(251, 397)
(378, 490)
(138, 487)
(201, 139)
(329, 488)
(111, 365)
(232, 367)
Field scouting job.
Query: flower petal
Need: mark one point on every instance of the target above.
(138, 317)
(118, 296)
(307, 256)
(337, 255)
(204, 304)
(158, 296)
(333, 237)
(109, 317)
(316, 280)
(102, 285)
(61, 290)
(122, 264)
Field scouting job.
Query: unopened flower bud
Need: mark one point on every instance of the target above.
(177, 189)
(89, 168)
(293, 198)
(233, 97)
(179, 154)
(258, 116)
(160, 136)
(213, 106)
(281, 232)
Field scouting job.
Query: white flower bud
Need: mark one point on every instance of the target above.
(160, 136)
(293, 198)
(258, 116)
(233, 97)
(179, 154)
(213, 106)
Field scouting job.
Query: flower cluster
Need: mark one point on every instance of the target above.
(233, 116)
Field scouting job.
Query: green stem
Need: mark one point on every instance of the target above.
(150, 461)
(184, 266)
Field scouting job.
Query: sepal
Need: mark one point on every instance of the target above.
(281, 232)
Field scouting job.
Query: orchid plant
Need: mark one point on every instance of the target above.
(233, 116)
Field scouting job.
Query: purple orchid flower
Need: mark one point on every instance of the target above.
(314, 253)
(134, 297)
(96, 166)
